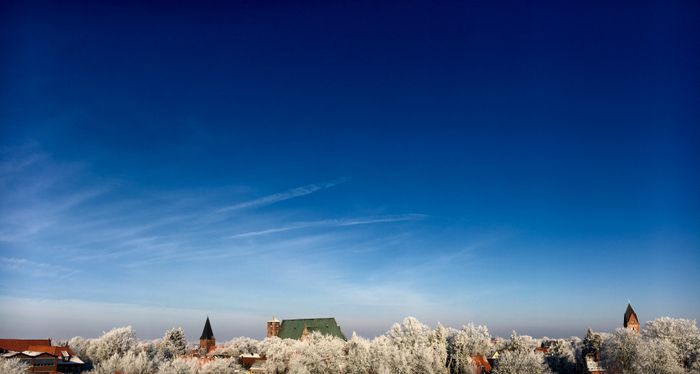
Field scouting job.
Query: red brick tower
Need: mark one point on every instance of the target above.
(207, 342)
(631, 321)
(273, 327)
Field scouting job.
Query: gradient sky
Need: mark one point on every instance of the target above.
(528, 166)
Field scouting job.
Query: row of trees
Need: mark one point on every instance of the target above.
(665, 346)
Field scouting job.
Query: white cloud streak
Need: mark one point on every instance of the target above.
(330, 223)
(282, 196)
(36, 269)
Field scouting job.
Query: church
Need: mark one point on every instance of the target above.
(207, 342)
(300, 329)
(631, 322)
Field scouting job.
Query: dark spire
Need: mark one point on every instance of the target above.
(207, 333)
(628, 314)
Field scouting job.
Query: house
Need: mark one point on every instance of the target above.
(481, 364)
(593, 366)
(41, 357)
(493, 360)
(258, 367)
(631, 322)
(542, 350)
(299, 329)
(19, 345)
(253, 362)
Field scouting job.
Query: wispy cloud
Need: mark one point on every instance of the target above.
(282, 196)
(330, 223)
(36, 269)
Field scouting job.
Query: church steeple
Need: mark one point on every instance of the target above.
(631, 321)
(207, 342)
(207, 333)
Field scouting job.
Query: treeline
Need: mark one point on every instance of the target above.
(665, 345)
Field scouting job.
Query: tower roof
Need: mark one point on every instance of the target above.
(207, 333)
(628, 314)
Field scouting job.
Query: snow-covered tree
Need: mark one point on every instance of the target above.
(221, 366)
(561, 358)
(239, 346)
(180, 365)
(12, 366)
(619, 352)
(591, 344)
(520, 343)
(422, 349)
(132, 363)
(463, 344)
(657, 356)
(279, 353)
(80, 346)
(682, 333)
(117, 341)
(319, 354)
(358, 357)
(521, 361)
(385, 357)
(175, 342)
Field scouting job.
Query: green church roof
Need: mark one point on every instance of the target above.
(294, 328)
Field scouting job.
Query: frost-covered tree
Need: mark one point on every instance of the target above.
(385, 357)
(463, 344)
(682, 333)
(519, 343)
(319, 354)
(591, 344)
(520, 362)
(221, 366)
(117, 341)
(132, 363)
(619, 352)
(561, 358)
(422, 349)
(175, 342)
(239, 346)
(279, 353)
(657, 356)
(80, 346)
(358, 356)
(12, 366)
(180, 365)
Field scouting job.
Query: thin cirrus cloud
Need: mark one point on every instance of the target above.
(37, 269)
(330, 223)
(282, 196)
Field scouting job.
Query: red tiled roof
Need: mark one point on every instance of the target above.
(56, 351)
(19, 345)
(482, 361)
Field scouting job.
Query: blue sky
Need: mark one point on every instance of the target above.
(529, 166)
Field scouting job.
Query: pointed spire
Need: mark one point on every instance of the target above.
(628, 314)
(207, 333)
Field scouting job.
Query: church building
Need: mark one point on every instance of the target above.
(631, 322)
(299, 329)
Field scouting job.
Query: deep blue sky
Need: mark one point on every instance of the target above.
(530, 166)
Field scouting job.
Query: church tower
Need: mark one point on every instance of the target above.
(631, 322)
(207, 342)
(273, 327)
